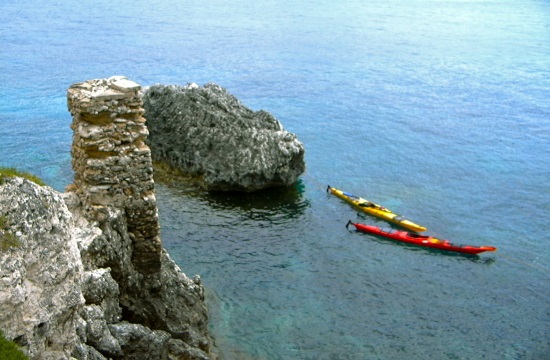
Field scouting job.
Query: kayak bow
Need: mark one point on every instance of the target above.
(420, 240)
(376, 210)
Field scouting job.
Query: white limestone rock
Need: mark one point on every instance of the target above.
(58, 296)
(40, 277)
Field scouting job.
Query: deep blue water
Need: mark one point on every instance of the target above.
(439, 110)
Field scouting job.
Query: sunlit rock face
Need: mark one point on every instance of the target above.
(206, 132)
(40, 270)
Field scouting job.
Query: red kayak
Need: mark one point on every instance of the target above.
(421, 240)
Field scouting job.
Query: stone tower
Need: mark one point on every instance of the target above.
(112, 163)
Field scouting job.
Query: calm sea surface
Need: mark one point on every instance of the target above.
(439, 110)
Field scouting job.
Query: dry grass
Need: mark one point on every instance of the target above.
(12, 172)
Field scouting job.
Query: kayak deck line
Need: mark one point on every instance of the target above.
(420, 240)
(377, 210)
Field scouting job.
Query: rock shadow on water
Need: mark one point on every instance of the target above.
(287, 202)
(289, 199)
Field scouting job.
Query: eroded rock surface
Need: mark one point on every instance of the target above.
(40, 272)
(206, 132)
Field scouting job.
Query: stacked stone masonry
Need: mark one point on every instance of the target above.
(112, 163)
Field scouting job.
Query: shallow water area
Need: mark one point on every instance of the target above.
(435, 109)
(280, 289)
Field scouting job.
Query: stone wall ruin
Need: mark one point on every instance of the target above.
(112, 163)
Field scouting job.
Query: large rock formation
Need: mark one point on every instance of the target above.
(83, 274)
(206, 132)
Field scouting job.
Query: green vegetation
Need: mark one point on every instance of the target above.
(7, 238)
(9, 350)
(11, 172)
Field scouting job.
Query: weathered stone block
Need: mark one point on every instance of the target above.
(207, 133)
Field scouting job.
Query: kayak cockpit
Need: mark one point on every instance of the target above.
(417, 236)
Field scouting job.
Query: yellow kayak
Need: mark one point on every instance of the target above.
(376, 210)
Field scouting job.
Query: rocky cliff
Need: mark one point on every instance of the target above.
(207, 133)
(83, 274)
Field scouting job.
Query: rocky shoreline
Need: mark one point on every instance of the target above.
(87, 277)
(83, 274)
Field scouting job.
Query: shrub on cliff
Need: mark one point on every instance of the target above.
(9, 350)
(11, 172)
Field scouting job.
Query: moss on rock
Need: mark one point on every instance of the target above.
(9, 350)
(7, 238)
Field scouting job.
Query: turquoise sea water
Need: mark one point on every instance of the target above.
(439, 110)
